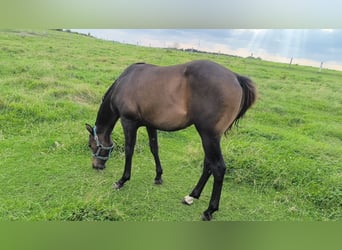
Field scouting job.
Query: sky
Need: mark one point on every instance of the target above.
(305, 46)
(171, 14)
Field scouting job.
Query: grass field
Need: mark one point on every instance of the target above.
(284, 161)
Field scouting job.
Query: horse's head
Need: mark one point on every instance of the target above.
(99, 152)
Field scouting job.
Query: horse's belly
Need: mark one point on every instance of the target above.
(167, 119)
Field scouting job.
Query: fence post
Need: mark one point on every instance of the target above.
(291, 62)
(320, 68)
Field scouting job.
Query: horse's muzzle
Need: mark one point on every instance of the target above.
(99, 166)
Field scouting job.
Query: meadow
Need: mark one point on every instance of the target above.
(284, 160)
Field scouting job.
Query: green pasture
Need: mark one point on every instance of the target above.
(284, 160)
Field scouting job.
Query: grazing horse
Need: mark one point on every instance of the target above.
(200, 93)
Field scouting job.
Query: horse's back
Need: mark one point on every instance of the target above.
(158, 96)
(170, 98)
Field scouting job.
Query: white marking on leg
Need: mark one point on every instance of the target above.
(188, 200)
(117, 186)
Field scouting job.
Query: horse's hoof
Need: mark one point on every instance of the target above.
(188, 200)
(158, 182)
(206, 216)
(117, 185)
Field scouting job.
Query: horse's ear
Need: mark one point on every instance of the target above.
(90, 129)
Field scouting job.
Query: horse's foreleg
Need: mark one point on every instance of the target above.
(130, 132)
(152, 135)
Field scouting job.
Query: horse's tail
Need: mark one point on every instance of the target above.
(249, 95)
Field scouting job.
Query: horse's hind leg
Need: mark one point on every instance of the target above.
(218, 168)
(130, 130)
(152, 134)
(213, 164)
(196, 192)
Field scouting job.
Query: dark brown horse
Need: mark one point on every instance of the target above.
(201, 93)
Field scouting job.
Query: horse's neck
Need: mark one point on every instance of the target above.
(106, 119)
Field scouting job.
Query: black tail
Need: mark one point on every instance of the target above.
(248, 97)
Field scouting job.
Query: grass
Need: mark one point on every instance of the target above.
(284, 161)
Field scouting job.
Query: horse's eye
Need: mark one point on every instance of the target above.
(89, 145)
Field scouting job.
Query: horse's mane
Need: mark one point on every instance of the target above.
(109, 90)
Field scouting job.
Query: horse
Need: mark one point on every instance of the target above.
(170, 98)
